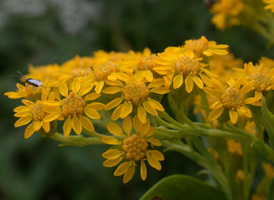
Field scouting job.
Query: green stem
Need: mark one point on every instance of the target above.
(187, 120)
(77, 140)
(171, 120)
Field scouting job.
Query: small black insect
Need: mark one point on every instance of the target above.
(30, 81)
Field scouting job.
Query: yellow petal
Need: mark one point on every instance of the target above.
(142, 114)
(149, 132)
(157, 155)
(115, 129)
(76, 85)
(154, 142)
(29, 131)
(148, 75)
(51, 117)
(136, 124)
(160, 90)
(214, 114)
(233, 116)
(129, 174)
(122, 168)
(92, 113)
(27, 103)
(155, 104)
(143, 170)
(113, 103)
(149, 108)
(22, 121)
(153, 161)
(127, 125)
(189, 84)
(63, 88)
(96, 106)
(13, 95)
(67, 127)
(99, 87)
(21, 109)
(113, 162)
(177, 81)
(46, 127)
(87, 123)
(112, 154)
(37, 125)
(111, 140)
(116, 113)
(145, 127)
(76, 125)
(198, 82)
(112, 90)
(126, 110)
(92, 96)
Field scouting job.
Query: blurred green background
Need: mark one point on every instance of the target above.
(41, 32)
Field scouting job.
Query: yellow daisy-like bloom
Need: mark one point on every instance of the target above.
(41, 113)
(185, 66)
(234, 147)
(222, 65)
(75, 110)
(267, 61)
(131, 148)
(204, 47)
(135, 97)
(261, 75)
(231, 98)
(226, 13)
(270, 5)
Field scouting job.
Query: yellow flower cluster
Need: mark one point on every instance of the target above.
(129, 87)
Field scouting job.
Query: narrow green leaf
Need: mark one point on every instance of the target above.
(182, 187)
(268, 118)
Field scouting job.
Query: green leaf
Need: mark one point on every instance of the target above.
(268, 118)
(182, 187)
(270, 193)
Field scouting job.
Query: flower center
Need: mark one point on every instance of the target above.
(147, 62)
(187, 65)
(262, 81)
(73, 105)
(135, 147)
(80, 72)
(102, 71)
(232, 98)
(37, 111)
(197, 46)
(136, 92)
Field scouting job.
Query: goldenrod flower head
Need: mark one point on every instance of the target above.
(240, 174)
(234, 147)
(29, 92)
(204, 47)
(261, 75)
(50, 73)
(184, 66)
(135, 97)
(231, 98)
(268, 170)
(41, 113)
(226, 13)
(75, 110)
(131, 148)
(270, 5)
(222, 65)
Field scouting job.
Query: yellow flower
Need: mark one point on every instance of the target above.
(131, 148)
(250, 127)
(184, 66)
(268, 170)
(226, 13)
(234, 147)
(75, 108)
(41, 113)
(261, 75)
(231, 98)
(270, 5)
(204, 47)
(267, 61)
(222, 65)
(135, 97)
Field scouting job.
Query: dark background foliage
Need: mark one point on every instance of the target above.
(41, 32)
